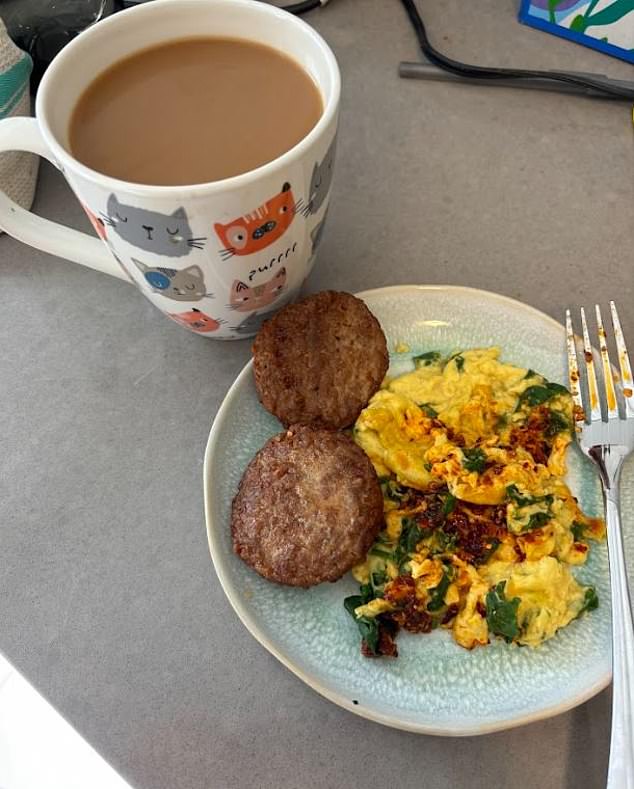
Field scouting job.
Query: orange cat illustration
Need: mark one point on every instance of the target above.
(257, 230)
(195, 320)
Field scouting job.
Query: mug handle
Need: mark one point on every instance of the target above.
(23, 134)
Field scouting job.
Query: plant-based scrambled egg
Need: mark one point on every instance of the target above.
(480, 528)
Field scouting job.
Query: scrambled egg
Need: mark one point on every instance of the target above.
(481, 529)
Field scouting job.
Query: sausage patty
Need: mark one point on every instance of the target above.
(308, 507)
(319, 361)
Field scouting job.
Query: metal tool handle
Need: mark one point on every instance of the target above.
(414, 70)
(621, 765)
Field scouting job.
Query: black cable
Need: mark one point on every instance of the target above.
(484, 72)
(303, 7)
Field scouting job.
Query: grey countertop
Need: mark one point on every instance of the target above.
(108, 600)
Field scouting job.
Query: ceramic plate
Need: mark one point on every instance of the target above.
(434, 686)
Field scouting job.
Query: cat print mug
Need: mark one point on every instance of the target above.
(219, 257)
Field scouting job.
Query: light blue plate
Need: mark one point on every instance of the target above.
(435, 686)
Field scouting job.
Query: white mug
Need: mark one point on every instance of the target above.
(213, 276)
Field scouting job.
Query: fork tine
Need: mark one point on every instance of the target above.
(608, 381)
(573, 368)
(593, 391)
(624, 362)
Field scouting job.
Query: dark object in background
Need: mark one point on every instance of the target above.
(589, 84)
(294, 8)
(43, 27)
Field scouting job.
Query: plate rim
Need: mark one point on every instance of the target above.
(251, 624)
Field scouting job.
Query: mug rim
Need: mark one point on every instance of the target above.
(208, 187)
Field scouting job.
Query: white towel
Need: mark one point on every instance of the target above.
(18, 170)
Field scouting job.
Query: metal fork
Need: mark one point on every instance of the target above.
(607, 437)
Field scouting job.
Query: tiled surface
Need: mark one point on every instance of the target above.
(39, 749)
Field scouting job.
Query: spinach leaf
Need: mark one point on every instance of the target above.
(578, 531)
(502, 421)
(541, 393)
(428, 410)
(400, 557)
(524, 501)
(446, 543)
(556, 389)
(459, 360)
(354, 601)
(530, 374)
(379, 578)
(427, 466)
(535, 395)
(495, 544)
(392, 490)
(502, 613)
(411, 535)
(590, 600)
(557, 423)
(537, 520)
(368, 628)
(474, 459)
(437, 600)
(449, 505)
(516, 497)
(425, 359)
(375, 551)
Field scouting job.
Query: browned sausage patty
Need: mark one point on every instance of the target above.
(308, 508)
(319, 361)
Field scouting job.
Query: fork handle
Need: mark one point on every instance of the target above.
(621, 765)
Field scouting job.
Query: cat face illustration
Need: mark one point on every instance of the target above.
(96, 222)
(162, 234)
(185, 285)
(259, 229)
(195, 320)
(320, 181)
(252, 323)
(246, 298)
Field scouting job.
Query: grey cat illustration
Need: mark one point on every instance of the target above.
(317, 233)
(185, 285)
(320, 181)
(252, 323)
(162, 234)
